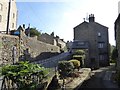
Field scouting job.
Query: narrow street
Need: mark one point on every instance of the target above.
(100, 78)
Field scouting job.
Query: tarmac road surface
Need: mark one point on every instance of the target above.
(100, 78)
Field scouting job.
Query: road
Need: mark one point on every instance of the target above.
(100, 78)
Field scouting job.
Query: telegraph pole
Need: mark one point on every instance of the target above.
(8, 17)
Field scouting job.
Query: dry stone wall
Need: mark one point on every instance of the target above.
(25, 48)
(37, 49)
(6, 48)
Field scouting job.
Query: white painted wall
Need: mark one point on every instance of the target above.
(4, 13)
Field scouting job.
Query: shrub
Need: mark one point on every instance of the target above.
(23, 74)
(112, 61)
(78, 57)
(76, 63)
(79, 52)
(65, 68)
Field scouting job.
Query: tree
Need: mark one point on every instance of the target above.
(34, 32)
(114, 54)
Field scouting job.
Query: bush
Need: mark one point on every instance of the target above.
(112, 61)
(78, 57)
(65, 68)
(76, 63)
(23, 74)
(79, 52)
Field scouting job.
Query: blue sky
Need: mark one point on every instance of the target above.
(61, 16)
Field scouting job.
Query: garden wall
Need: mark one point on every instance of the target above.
(13, 48)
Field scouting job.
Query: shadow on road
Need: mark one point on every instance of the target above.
(100, 78)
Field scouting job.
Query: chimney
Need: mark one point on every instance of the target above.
(91, 18)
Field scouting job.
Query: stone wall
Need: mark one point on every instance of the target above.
(117, 37)
(6, 48)
(25, 48)
(88, 32)
(44, 37)
(37, 49)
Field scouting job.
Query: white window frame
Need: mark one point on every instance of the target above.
(100, 45)
(99, 34)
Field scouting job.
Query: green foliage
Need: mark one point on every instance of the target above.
(76, 63)
(65, 68)
(78, 57)
(34, 32)
(22, 74)
(79, 52)
(112, 61)
(114, 54)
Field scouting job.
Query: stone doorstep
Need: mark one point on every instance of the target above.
(77, 82)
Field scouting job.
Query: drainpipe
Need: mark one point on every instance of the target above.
(8, 17)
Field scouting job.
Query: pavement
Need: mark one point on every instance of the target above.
(101, 78)
(77, 82)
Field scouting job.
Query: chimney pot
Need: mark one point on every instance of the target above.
(91, 18)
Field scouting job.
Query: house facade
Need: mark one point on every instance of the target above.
(92, 37)
(117, 38)
(4, 6)
(51, 39)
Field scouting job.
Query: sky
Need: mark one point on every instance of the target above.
(61, 16)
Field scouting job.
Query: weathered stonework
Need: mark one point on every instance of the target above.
(95, 37)
(117, 37)
(36, 49)
(6, 47)
(26, 48)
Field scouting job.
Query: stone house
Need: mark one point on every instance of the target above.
(4, 6)
(117, 38)
(44, 37)
(51, 39)
(93, 38)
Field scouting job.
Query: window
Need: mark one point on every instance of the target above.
(101, 57)
(12, 25)
(13, 15)
(99, 34)
(100, 45)
(81, 43)
(0, 18)
(1, 7)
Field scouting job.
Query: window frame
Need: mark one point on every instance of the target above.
(101, 45)
(12, 25)
(99, 34)
(13, 15)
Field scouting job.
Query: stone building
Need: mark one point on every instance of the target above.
(44, 37)
(51, 39)
(4, 6)
(117, 38)
(93, 38)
